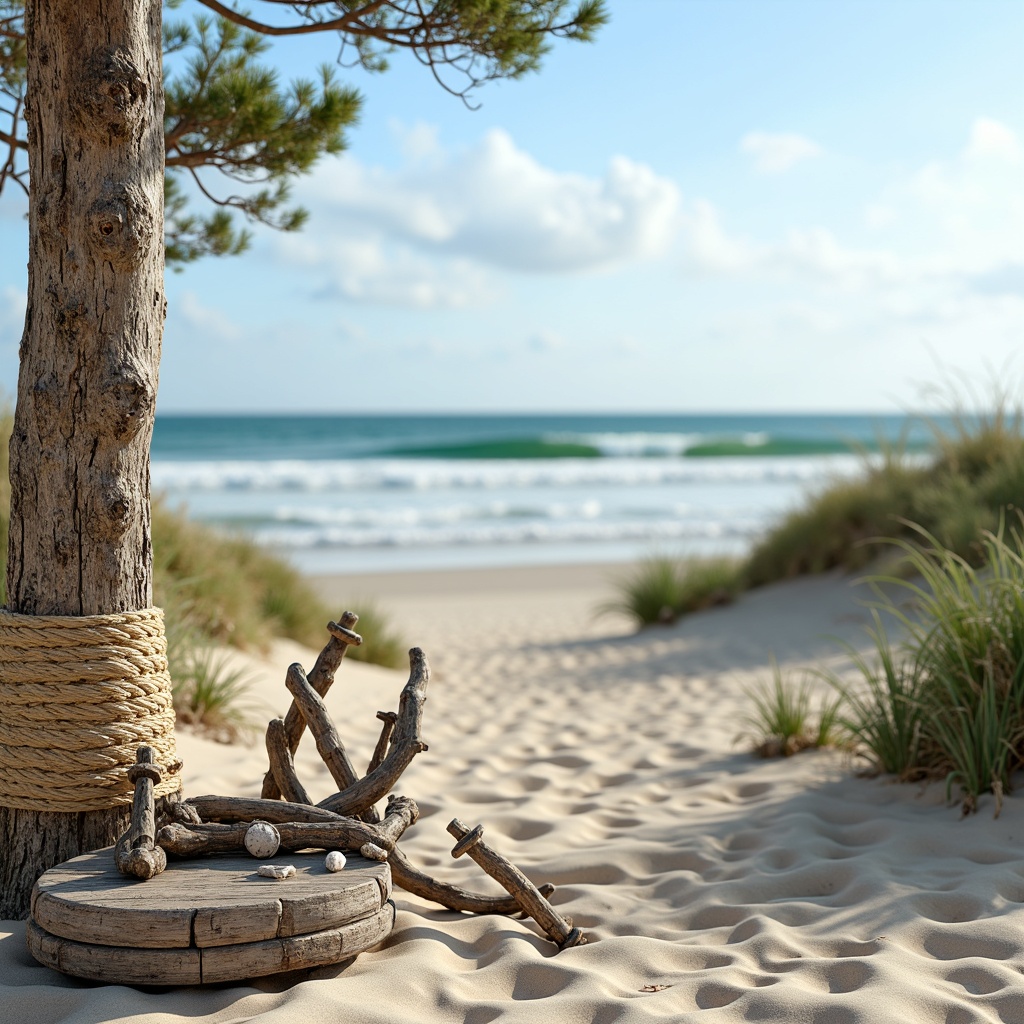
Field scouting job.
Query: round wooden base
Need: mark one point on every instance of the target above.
(207, 920)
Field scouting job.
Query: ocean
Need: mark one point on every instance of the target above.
(388, 493)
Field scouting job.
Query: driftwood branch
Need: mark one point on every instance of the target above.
(321, 678)
(387, 729)
(408, 877)
(328, 743)
(406, 743)
(519, 887)
(136, 853)
(282, 766)
(373, 841)
(249, 809)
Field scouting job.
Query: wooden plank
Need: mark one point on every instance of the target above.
(315, 914)
(108, 926)
(224, 926)
(257, 959)
(114, 964)
(215, 900)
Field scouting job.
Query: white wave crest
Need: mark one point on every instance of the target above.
(435, 474)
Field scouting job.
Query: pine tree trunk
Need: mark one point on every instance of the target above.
(80, 517)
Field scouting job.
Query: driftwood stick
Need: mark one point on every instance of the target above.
(406, 743)
(372, 841)
(136, 853)
(520, 888)
(282, 765)
(400, 814)
(249, 809)
(321, 678)
(387, 728)
(410, 878)
(328, 743)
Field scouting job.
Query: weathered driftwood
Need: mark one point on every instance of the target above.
(332, 821)
(408, 877)
(136, 853)
(328, 743)
(321, 678)
(406, 743)
(373, 841)
(519, 887)
(248, 809)
(387, 729)
(282, 765)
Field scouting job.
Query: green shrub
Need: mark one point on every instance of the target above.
(660, 589)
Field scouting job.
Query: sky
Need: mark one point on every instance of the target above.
(717, 206)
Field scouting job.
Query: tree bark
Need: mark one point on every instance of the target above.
(80, 517)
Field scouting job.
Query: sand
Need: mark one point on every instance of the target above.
(715, 887)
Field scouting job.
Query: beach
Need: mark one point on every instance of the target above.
(713, 886)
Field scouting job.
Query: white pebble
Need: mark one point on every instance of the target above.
(262, 839)
(335, 860)
(276, 870)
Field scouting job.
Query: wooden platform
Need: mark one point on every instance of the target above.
(207, 920)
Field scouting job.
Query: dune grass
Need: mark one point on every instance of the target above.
(660, 589)
(963, 695)
(781, 721)
(974, 476)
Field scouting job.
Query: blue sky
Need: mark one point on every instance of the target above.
(717, 206)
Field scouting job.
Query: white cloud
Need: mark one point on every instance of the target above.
(956, 224)
(774, 153)
(497, 205)
(204, 320)
(711, 248)
(372, 270)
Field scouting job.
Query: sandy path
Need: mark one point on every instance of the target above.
(605, 762)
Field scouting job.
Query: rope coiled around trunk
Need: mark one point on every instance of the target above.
(78, 695)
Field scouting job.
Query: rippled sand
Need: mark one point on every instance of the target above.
(715, 887)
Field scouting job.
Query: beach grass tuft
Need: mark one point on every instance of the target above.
(782, 723)
(949, 701)
(661, 589)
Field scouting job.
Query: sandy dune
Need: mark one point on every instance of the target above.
(714, 887)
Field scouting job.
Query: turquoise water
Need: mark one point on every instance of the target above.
(379, 493)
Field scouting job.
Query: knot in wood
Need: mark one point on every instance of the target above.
(468, 840)
(122, 225)
(113, 93)
(126, 403)
(144, 771)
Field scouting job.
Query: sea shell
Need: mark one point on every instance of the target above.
(334, 861)
(276, 870)
(371, 851)
(262, 839)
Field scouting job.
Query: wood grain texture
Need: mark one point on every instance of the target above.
(114, 964)
(80, 528)
(213, 964)
(258, 959)
(219, 900)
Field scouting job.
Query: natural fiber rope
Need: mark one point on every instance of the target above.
(78, 695)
